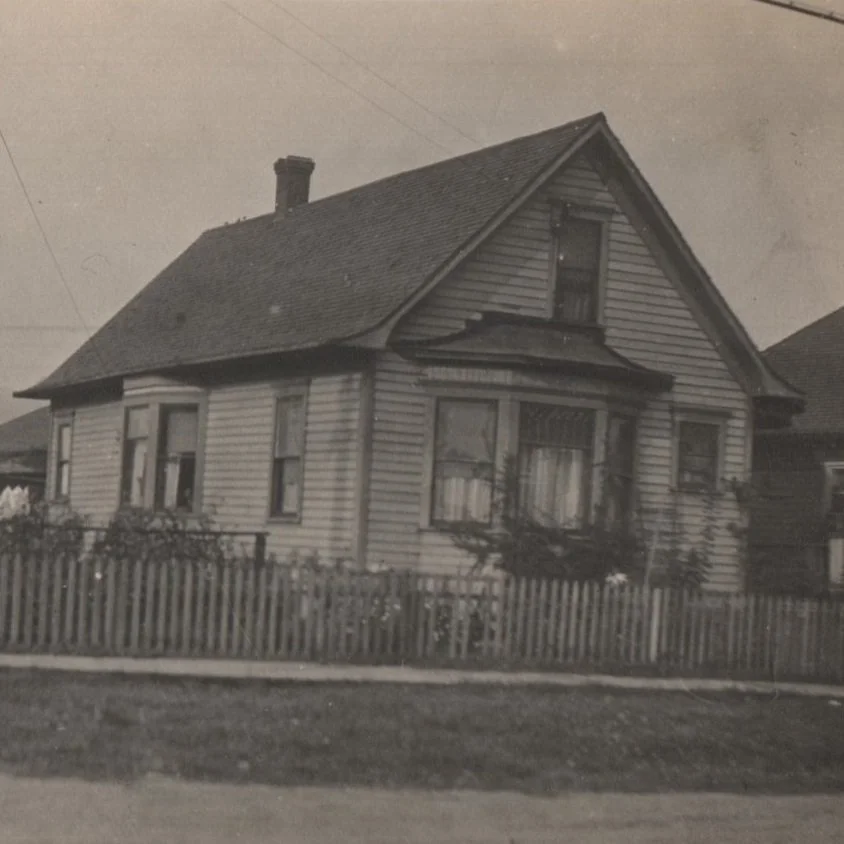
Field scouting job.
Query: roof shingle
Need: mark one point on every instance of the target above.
(327, 271)
(812, 359)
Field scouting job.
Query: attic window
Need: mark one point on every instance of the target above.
(578, 244)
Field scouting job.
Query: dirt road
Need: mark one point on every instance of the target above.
(179, 812)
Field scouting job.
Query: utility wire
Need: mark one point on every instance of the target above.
(336, 78)
(375, 73)
(47, 243)
(805, 9)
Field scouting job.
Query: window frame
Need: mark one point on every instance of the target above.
(594, 455)
(282, 392)
(59, 421)
(495, 404)
(699, 417)
(634, 420)
(560, 211)
(158, 403)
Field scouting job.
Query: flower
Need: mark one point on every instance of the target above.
(616, 578)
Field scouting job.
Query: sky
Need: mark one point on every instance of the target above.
(135, 126)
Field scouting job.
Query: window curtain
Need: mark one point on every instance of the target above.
(462, 494)
(554, 485)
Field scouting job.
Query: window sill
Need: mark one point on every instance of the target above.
(285, 520)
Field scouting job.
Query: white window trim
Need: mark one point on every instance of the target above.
(705, 416)
(564, 209)
(60, 419)
(299, 388)
(155, 401)
(507, 435)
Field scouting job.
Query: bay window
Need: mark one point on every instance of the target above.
(135, 440)
(464, 461)
(620, 461)
(161, 456)
(555, 464)
(175, 477)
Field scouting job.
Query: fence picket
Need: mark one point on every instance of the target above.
(30, 600)
(553, 616)
(187, 601)
(272, 618)
(17, 596)
(121, 606)
(259, 646)
(110, 577)
(55, 602)
(285, 632)
(563, 614)
(198, 634)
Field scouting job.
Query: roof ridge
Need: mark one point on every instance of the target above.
(461, 158)
(809, 325)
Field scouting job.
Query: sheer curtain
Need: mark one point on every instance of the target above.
(554, 485)
(555, 455)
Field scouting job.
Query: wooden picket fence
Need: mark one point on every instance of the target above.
(80, 605)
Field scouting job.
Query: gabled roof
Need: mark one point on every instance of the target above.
(813, 360)
(344, 269)
(325, 272)
(508, 340)
(29, 432)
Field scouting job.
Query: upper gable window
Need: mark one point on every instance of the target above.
(578, 259)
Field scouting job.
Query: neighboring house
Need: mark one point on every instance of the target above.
(23, 451)
(348, 374)
(797, 523)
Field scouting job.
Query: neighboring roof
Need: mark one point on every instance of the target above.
(335, 270)
(517, 341)
(17, 469)
(30, 432)
(813, 360)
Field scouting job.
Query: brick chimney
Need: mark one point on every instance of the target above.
(293, 182)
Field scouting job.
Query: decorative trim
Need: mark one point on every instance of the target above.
(363, 465)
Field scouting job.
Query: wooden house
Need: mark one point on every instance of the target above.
(348, 374)
(797, 523)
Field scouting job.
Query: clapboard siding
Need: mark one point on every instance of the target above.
(95, 460)
(646, 319)
(239, 443)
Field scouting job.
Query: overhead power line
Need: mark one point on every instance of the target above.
(47, 243)
(374, 73)
(339, 80)
(805, 9)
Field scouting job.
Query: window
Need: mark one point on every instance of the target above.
(835, 489)
(698, 445)
(160, 456)
(63, 446)
(577, 270)
(135, 439)
(555, 463)
(464, 460)
(618, 492)
(175, 476)
(286, 494)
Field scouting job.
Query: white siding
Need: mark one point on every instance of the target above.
(646, 319)
(95, 460)
(238, 459)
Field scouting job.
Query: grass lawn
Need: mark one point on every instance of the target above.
(533, 739)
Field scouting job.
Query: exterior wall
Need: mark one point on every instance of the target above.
(239, 446)
(238, 458)
(645, 318)
(788, 532)
(94, 460)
